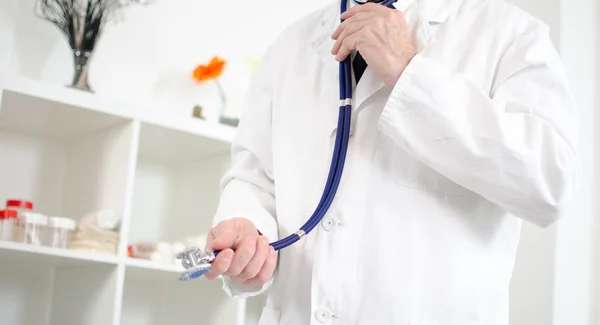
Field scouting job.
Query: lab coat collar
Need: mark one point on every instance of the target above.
(421, 15)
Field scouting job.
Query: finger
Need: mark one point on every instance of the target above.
(243, 254)
(358, 17)
(367, 7)
(258, 260)
(349, 44)
(267, 270)
(349, 30)
(222, 236)
(221, 264)
(209, 239)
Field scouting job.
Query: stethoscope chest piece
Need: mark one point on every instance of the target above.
(195, 262)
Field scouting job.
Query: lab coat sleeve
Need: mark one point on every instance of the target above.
(247, 188)
(514, 146)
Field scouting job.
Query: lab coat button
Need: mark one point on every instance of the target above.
(323, 315)
(328, 224)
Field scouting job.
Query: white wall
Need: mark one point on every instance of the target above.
(574, 276)
(7, 8)
(595, 287)
(149, 53)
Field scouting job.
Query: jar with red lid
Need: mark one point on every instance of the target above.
(19, 205)
(8, 224)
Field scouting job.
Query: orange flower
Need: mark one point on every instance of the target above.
(211, 71)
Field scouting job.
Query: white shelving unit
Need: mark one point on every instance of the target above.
(71, 153)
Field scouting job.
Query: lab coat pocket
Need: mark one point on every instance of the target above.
(269, 317)
(412, 173)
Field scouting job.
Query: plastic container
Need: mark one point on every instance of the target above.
(59, 231)
(32, 228)
(8, 224)
(141, 250)
(19, 205)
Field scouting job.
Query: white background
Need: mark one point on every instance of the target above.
(149, 55)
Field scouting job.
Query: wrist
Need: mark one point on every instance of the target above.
(400, 70)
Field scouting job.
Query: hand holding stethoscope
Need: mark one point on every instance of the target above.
(254, 260)
(382, 37)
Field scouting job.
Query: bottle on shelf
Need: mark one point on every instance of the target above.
(8, 224)
(19, 205)
(60, 231)
(32, 228)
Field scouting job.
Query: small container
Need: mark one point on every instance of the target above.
(19, 205)
(32, 228)
(141, 250)
(59, 231)
(8, 225)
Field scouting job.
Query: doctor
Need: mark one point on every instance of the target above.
(463, 127)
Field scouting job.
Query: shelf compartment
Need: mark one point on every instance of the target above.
(17, 252)
(159, 298)
(47, 116)
(172, 201)
(57, 111)
(68, 177)
(141, 264)
(42, 286)
(161, 143)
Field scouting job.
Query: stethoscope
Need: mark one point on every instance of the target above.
(197, 262)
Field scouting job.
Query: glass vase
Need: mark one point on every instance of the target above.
(224, 119)
(81, 61)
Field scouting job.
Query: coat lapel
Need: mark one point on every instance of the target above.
(322, 43)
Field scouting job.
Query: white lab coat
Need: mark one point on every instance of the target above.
(477, 135)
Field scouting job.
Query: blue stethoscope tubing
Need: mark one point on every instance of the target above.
(339, 151)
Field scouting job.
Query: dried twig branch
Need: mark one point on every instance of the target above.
(81, 21)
